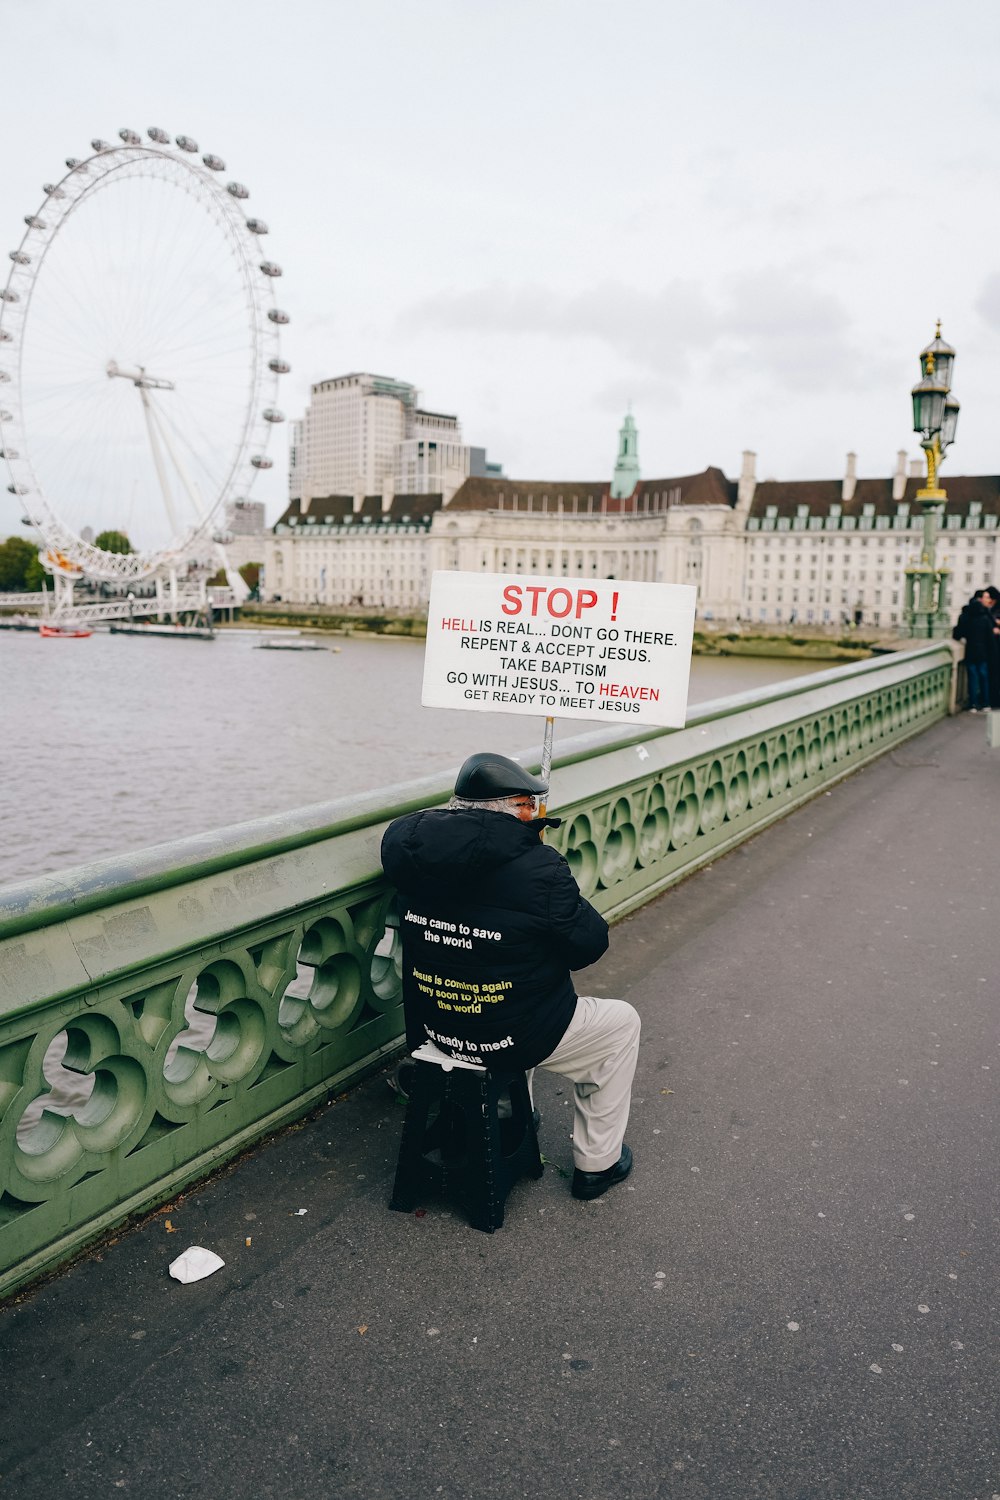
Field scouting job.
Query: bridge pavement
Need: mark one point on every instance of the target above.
(794, 1296)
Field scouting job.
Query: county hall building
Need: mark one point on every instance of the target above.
(818, 552)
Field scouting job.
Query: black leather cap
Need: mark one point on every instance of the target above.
(487, 775)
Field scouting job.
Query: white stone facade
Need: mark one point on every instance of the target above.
(814, 575)
(700, 548)
(383, 566)
(824, 553)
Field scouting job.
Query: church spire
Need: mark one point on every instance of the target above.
(626, 475)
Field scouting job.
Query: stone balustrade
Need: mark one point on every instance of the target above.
(204, 993)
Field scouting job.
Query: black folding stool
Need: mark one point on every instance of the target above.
(455, 1141)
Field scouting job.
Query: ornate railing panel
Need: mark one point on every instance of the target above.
(673, 802)
(189, 999)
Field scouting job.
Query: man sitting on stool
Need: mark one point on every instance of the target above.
(492, 922)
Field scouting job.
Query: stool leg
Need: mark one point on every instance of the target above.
(467, 1138)
(410, 1175)
(486, 1206)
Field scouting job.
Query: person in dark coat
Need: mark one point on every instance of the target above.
(991, 598)
(975, 627)
(492, 923)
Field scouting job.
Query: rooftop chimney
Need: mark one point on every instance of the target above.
(747, 482)
(899, 477)
(850, 478)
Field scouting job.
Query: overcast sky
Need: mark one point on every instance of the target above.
(743, 218)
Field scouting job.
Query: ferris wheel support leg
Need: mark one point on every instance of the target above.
(161, 472)
(173, 595)
(160, 606)
(63, 589)
(190, 488)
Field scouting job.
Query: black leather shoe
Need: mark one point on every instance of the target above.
(593, 1184)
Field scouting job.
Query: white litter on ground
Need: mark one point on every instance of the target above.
(195, 1264)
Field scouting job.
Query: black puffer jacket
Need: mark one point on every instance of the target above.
(975, 628)
(492, 922)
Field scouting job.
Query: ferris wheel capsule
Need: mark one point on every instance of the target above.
(17, 489)
(9, 453)
(256, 226)
(277, 316)
(19, 258)
(52, 190)
(279, 366)
(100, 146)
(272, 414)
(34, 222)
(238, 190)
(270, 268)
(131, 137)
(76, 165)
(259, 461)
(187, 143)
(160, 136)
(5, 338)
(6, 416)
(4, 377)
(214, 163)
(6, 295)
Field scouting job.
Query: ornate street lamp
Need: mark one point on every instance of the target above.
(949, 424)
(935, 417)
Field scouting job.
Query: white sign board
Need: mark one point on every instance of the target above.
(571, 648)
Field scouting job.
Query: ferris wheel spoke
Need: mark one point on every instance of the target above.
(191, 458)
(193, 320)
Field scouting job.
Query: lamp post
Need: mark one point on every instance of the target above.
(935, 417)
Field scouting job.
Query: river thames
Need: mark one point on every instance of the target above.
(115, 743)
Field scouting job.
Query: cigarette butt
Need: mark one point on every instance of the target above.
(248, 1239)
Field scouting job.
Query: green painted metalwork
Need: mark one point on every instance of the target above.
(212, 990)
(676, 801)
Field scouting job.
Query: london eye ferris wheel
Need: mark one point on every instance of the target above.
(139, 356)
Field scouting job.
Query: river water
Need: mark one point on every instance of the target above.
(114, 743)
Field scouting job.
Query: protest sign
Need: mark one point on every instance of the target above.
(605, 650)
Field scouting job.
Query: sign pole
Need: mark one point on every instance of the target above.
(550, 725)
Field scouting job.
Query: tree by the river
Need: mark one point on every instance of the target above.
(17, 557)
(113, 541)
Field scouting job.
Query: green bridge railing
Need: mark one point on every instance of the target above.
(208, 991)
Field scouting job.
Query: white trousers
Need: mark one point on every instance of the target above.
(598, 1053)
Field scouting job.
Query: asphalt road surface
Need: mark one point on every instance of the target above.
(794, 1296)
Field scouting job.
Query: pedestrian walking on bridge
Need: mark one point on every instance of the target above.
(975, 627)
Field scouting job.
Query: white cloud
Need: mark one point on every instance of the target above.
(768, 323)
(988, 301)
(654, 328)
